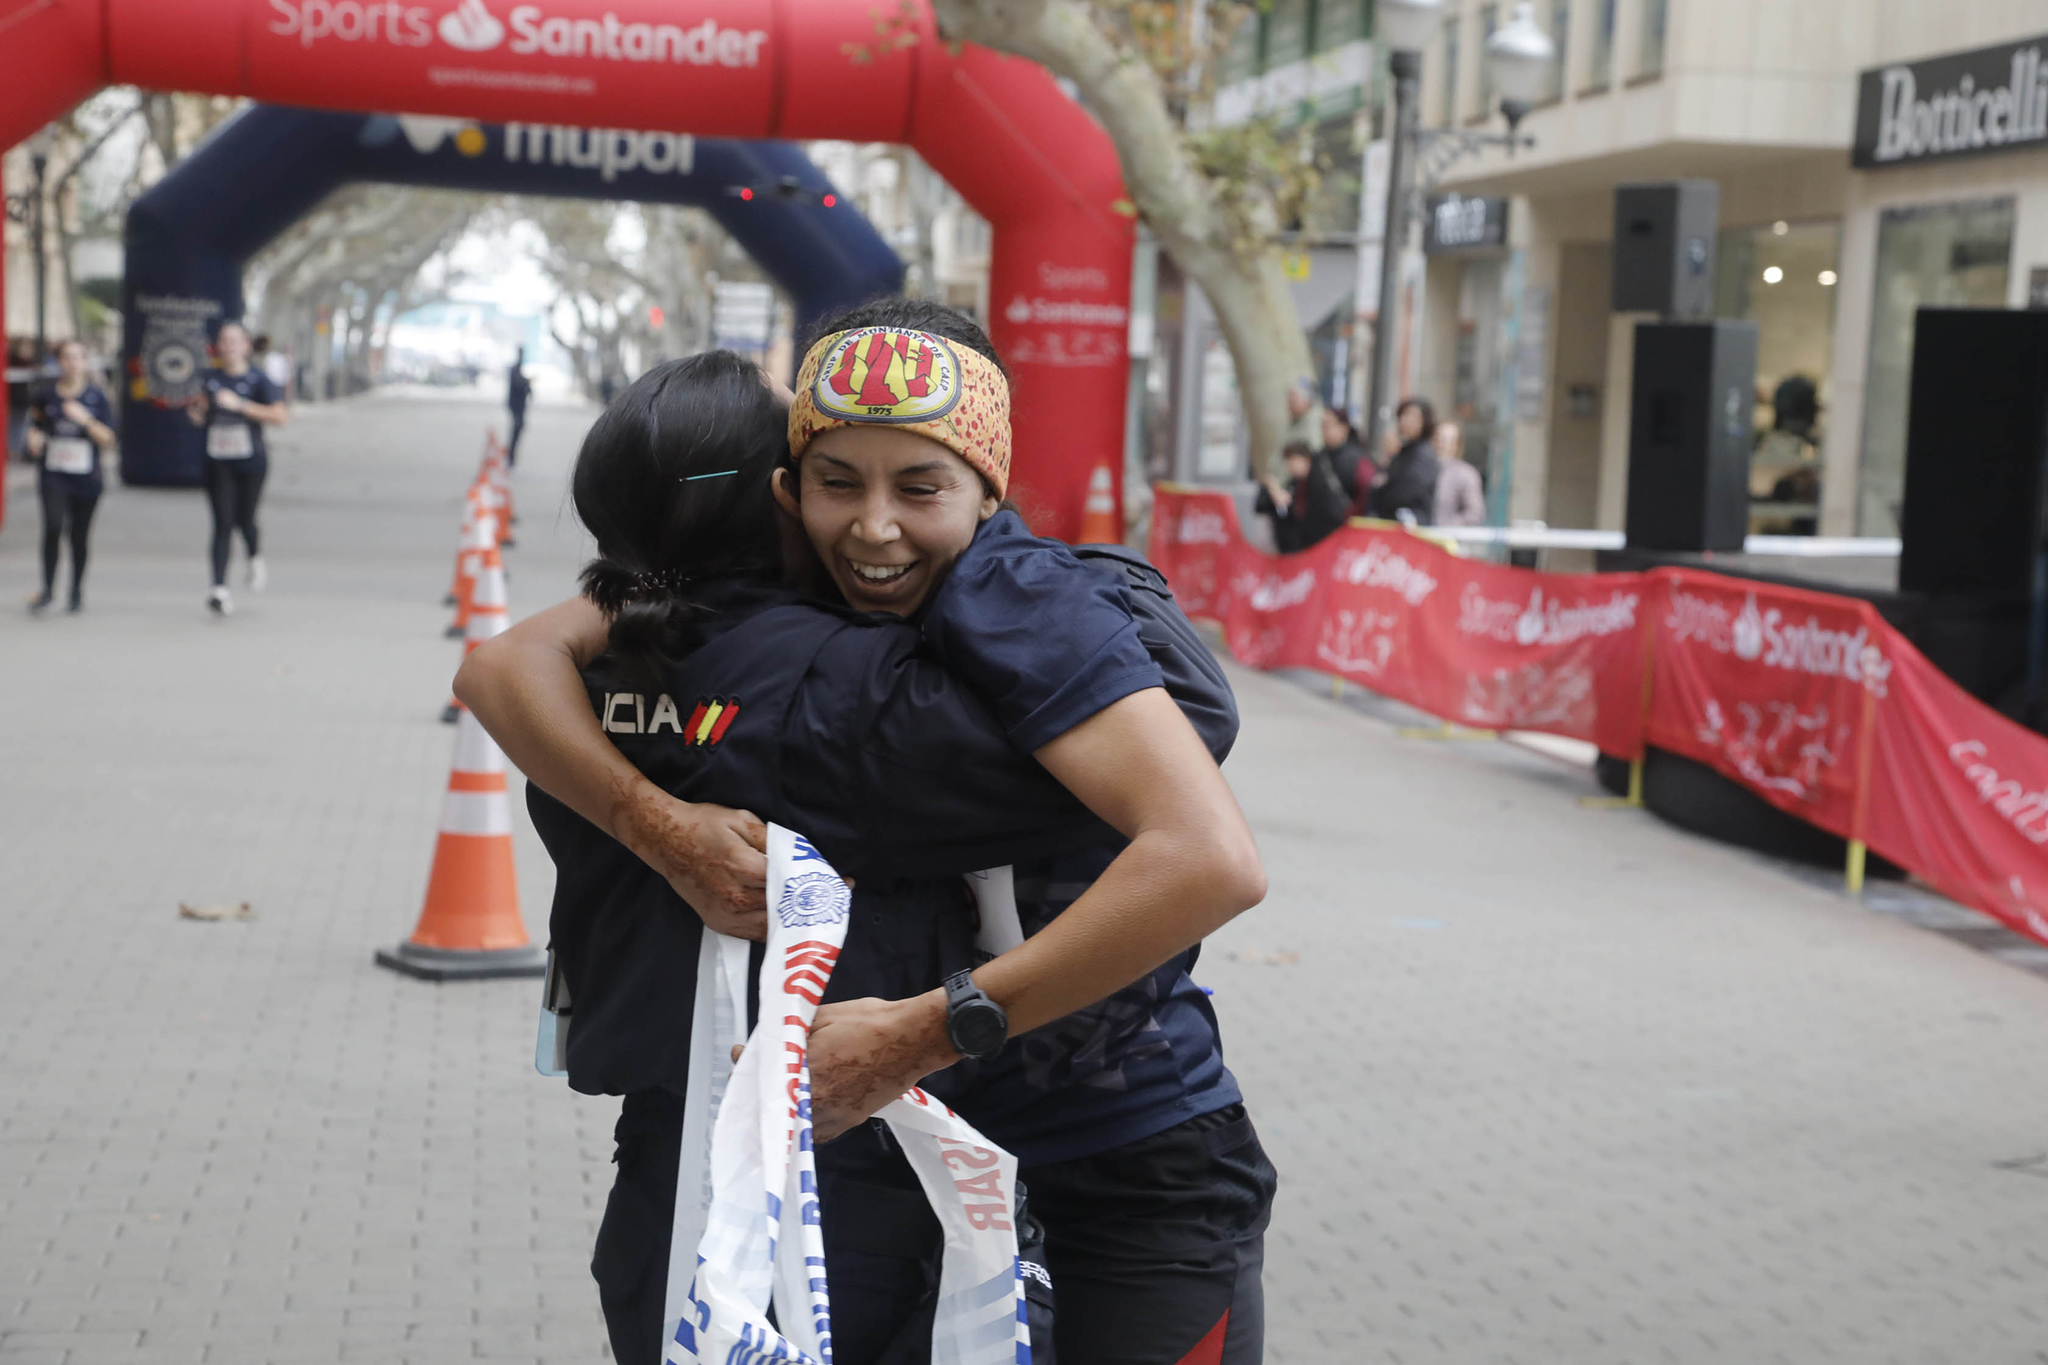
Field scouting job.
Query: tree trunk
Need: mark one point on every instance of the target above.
(1237, 267)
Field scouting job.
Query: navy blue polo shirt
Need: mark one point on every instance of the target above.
(46, 411)
(1049, 635)
(835, 724)
(232, 437)
(844, 727)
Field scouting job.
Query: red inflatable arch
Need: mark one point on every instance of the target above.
(1028, 158)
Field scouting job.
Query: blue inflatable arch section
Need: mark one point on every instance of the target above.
(190, 236)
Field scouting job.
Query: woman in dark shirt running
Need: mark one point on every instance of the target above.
(239, 401)
(71, 427)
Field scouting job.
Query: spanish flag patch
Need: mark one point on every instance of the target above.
(711, 719)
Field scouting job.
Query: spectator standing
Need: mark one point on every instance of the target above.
(1785, 468)
(1345, 450)
(23, 373)
(1408, 484)
(1304, 424)
(517, 391)
(1460, 492)
(1309, 506)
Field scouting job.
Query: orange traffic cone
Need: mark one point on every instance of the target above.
(499, 467)
(470, 926)
(486, 612)
(1098, 517)
(453, 597)
(483, 535)
(492, 499)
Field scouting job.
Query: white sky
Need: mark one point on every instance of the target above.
(498, 267)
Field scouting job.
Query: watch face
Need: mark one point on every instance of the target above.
(979, 1028)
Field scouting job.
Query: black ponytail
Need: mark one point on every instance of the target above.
(672, 481)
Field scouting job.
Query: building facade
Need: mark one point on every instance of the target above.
(944, 244)
(1872, 156)
(1308, 66)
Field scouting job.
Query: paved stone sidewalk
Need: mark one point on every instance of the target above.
(242, 1142)
(1549, 1084)
(1545, 1084)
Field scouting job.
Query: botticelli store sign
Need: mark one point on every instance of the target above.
(1453, 222)
(1992, 100)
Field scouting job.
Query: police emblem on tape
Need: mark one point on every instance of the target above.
(813, 898)
(878, 374)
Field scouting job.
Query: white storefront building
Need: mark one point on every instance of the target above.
(1872, 156)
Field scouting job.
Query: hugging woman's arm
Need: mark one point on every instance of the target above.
(527, 689)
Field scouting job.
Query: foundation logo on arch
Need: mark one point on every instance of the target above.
(881, 374)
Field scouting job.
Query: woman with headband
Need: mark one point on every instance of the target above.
(1136, 1151)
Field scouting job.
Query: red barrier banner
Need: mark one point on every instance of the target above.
(1959, 795)
(1807, 698)
(1772, 686)
(1480, 644)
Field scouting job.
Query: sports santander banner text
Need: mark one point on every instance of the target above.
(1475, 643)
(1809, 699)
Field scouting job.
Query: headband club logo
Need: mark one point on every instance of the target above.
(883, 374)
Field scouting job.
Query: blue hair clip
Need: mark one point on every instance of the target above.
(692, 478)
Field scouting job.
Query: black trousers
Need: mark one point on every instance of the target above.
(1157, 1248)
(512, 440)
(232, 490)
(66, 507)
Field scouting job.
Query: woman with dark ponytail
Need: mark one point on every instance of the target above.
(670, 484)
(850, 732)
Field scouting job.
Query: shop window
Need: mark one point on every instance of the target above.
(1286, 33)
(1220, 453)
(1330, 345)
(1650, 49)
(1489, 19)
(1339, 22)
(1561, 35)
(1477, 361)
(1333, 209)
(1938, 255)
(1600, 61)
(1447, 93)
(1241, 58)
(1781, 276)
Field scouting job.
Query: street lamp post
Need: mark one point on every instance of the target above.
(1518, 57)
(39, 162)
(1404, 26)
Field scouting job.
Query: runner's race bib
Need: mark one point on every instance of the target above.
(230, 441)
(68, 455)
(749, 1227)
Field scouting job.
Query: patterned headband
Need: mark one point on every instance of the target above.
(894, 376)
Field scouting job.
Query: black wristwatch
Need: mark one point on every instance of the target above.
(975, 1025)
